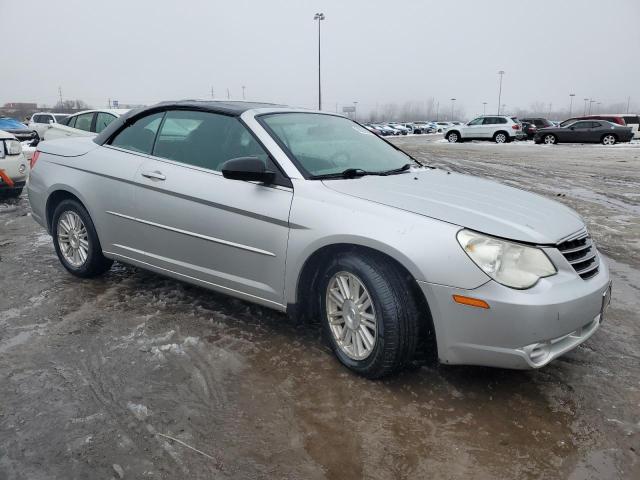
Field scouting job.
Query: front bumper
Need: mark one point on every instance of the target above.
(522, 329)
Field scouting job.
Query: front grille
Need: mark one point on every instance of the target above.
(581, 253)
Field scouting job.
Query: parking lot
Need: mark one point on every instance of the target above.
(134, 375)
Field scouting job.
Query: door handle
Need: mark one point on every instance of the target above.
(155, 175)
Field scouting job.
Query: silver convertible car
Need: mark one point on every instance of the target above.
(312, 214)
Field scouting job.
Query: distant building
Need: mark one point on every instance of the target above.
(20, 106)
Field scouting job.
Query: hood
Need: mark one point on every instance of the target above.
(470, 202)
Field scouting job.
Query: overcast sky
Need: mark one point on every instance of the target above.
(143, 51)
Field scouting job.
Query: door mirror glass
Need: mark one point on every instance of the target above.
(250, 169)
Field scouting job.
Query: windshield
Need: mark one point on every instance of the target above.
(326, 144)
(61, 118)
(566, 123)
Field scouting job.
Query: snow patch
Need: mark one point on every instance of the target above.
(139, 411)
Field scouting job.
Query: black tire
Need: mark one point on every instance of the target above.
(96, 263)
(498, 136)
(397, 315)
(549, 139)
(453, 137)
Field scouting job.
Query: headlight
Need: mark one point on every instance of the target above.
(511, 264)
(13, 147)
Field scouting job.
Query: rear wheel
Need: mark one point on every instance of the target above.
(609, 139)
(501, 137)
(368, 314)
(76, 241)
(549, 139)
(453, 137)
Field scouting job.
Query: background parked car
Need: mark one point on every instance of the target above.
(529, 129)
(623, 119)
(401, 128)
(40, 121)
(585, 131)
(18, 129)
(423, 127)
(499, 128)
(83, 124)
(539, 122)
(442, 127)
(373, 129)
(14, 167)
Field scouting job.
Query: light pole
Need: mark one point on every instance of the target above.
(591, 102)
(243, 87)
(501, 73)
(355, 111)
(484, 108)
(571, 95)
(319, 17)
(598, 107)
(585, 106)
(453, 101)
(628, 103)
(437, 110)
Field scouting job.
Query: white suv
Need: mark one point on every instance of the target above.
(40, 121)
(499, 128)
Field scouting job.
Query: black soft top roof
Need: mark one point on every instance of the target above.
(227, 108)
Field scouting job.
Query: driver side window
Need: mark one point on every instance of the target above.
(205, 139)
(477, 121)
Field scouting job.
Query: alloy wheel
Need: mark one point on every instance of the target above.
(609, 140)
(351, 316)
(549, 139)
(73, 238)
(501, 138)
(453, 138)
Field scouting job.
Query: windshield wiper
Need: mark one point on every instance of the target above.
(348, 173)
(359, 172)
(395, 171)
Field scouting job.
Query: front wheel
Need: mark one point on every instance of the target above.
(453, 137)
(76, 241)
(368, 314)
(609, 140)
(549, 139)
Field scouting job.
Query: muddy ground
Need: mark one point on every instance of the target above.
(136, 376)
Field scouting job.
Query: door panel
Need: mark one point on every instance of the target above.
(108, 190)
(228, 233)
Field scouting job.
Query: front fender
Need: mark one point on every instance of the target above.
(426, 247)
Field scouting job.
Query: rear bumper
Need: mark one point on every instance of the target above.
(5, 186)
(522, 329)
(16, 168)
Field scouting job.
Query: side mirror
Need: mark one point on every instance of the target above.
(249, 169)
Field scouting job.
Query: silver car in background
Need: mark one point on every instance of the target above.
(311, 214)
